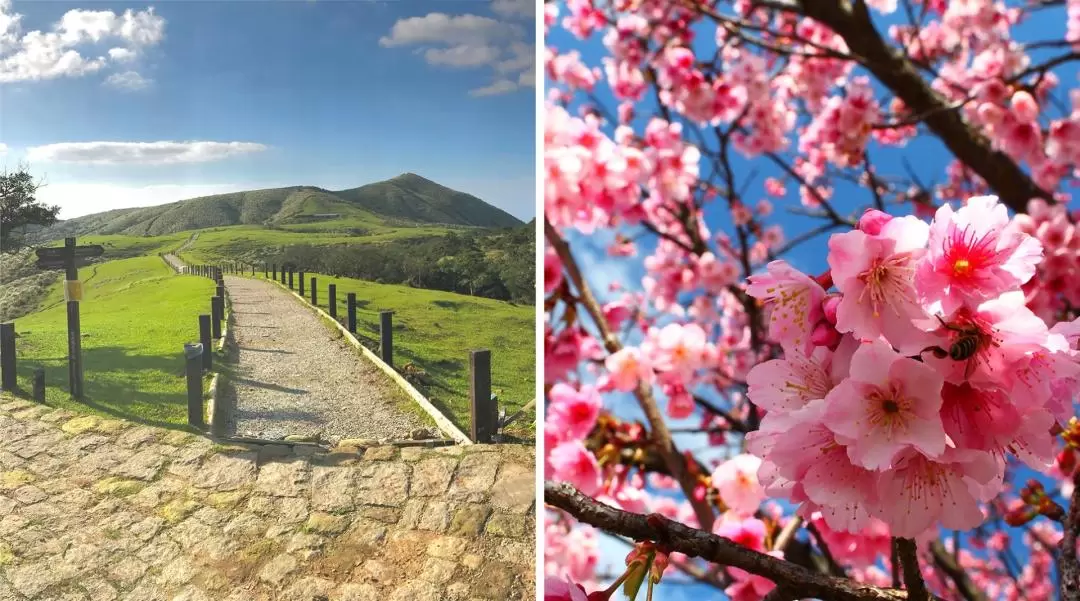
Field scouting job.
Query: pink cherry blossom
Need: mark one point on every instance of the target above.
(572, 412)
(788, 384)
(793, 300)
(889, 404)
(748, 532)
(716, 163)
(876, 276)
(552, 271)
(557, 589)
(737, 481)
(627, 367)
(921, 492)
(572, 462)
(975, 255)
(679, 349)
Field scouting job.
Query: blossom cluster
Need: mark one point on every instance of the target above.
(914, 380)
(949, 329)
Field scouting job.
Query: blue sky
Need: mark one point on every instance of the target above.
(131, 104)
(927, 156)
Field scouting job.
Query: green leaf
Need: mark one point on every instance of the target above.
(633, 582)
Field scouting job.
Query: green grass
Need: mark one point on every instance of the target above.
(435, 331)
(118, 246)
(138, 316)
(135, 317)
(248, 243)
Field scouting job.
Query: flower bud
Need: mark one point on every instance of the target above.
(1066, 460)
(873, 220)
(829, 306)
(825, 334)
(1024, 107)
(1020, 516)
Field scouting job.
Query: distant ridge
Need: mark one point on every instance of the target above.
(403, 201)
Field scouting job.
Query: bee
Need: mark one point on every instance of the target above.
(963, 348)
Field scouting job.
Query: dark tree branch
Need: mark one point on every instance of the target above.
(695, 543)
(947, 564)
(908, 553)
(899, 74)
(1068, 567)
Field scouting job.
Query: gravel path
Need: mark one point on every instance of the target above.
(294, 377)
(175, 262)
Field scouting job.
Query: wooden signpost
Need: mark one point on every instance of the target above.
(69, 258)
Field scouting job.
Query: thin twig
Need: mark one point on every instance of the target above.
(1068, 567)
(909, 558)
(660, 433)
(948, 564)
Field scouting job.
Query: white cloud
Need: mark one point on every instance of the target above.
(522, 56)
(37, 55)
(462, 56)
(502, 86)
(527, 79)
(77, 199)
(440, 28)
(86, 25)
(128, 80)
(514, 8)
(121, 54)
(471, 41)
(9, 26)
(139, 153)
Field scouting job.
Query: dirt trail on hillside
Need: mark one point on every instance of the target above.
(296, 376)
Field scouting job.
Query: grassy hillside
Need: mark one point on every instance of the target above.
(254, 244)
(411, 197)
(135, 317)
(436, 330)
(404, 201)
(22, 285)
(119, 246)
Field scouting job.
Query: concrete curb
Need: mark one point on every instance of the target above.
(216, 397)
(448, 428)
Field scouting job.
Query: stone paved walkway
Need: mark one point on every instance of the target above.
(97, 509)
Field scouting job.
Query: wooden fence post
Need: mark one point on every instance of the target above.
(485, 414)
(386, 337)
(205, 338)
(314, 293)
(217, 313)
(301, 283)
(8, 379)
(332, 293)
(274, 267)
(192, 354)
(290, 278)
(352, 312)
(39, 384)
(221, 290)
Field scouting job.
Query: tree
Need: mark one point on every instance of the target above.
(19, 208)
(742, 231)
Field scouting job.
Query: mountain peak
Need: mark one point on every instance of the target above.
(409, 176)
